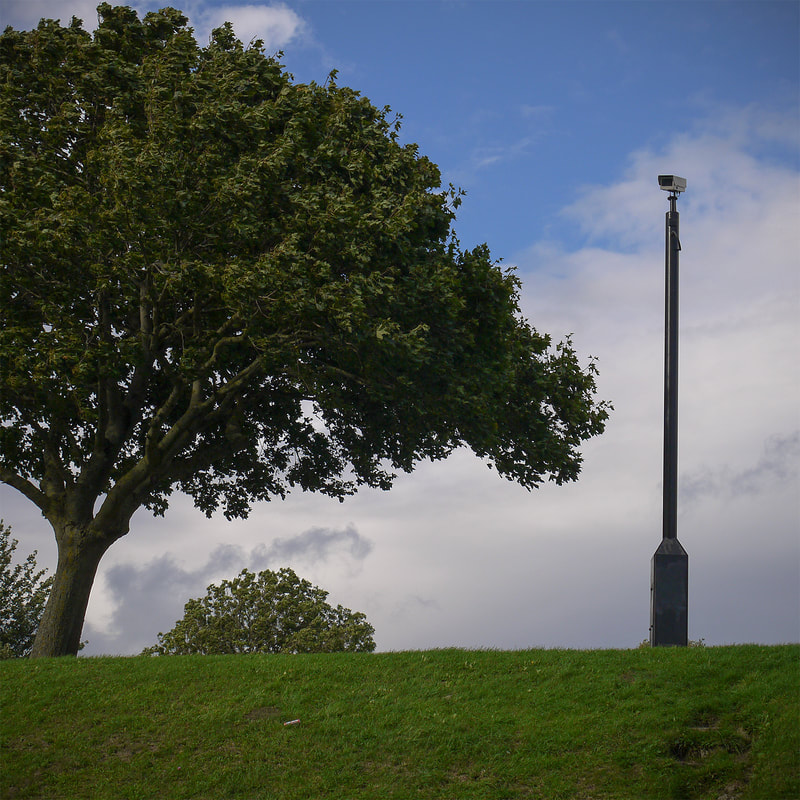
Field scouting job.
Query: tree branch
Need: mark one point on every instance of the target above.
(30, 490)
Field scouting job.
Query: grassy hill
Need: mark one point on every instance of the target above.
(718, 723)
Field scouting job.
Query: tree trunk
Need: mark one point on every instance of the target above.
(60, 628)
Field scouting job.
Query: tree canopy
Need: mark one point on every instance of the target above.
(271, 612)
(23, 594)
(222, 282)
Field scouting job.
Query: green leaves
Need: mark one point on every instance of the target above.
(272, 612)
(23, 594)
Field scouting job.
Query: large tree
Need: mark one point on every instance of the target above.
(219, 281)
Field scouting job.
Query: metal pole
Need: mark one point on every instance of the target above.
(669, 572)
(673, 246)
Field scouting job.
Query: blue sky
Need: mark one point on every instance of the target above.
(556, 118)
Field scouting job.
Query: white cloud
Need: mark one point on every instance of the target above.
(25, 14)
(732, 188)
(492, 154)
(277, 25)
(500, 150)
(541, 113)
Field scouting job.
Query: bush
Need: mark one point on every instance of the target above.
(272, 612)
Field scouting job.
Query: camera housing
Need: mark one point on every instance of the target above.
(672, 183)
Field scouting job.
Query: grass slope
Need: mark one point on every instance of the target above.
(650, 723)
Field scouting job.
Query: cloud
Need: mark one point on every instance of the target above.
(483, 157)
(277, 25)
(25, 14)
(494, 141)
(738, 169)
(738, 231)
(315, 544)
(538, 114)
(778, 464)
(142, 600)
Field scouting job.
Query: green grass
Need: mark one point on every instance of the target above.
(450, 724)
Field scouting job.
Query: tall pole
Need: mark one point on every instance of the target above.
(673, 247)
(669, 569)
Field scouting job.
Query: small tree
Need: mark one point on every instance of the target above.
(23, 594)
(272, 612)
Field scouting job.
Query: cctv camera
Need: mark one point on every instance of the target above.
(672, 183)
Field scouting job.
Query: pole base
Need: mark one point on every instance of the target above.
(669, 595)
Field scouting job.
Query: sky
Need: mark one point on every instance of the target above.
(556, 119)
